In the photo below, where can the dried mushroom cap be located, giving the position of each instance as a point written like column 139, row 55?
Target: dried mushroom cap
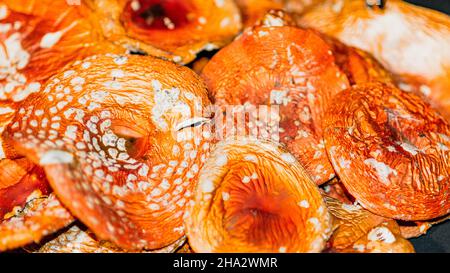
column 175, row 30
column 38, row 38
column 410, row 41
column 120, row 139
column 252, row 196
column 275, row 64
column 41, row 216
column 80, row 240
column 390, row 150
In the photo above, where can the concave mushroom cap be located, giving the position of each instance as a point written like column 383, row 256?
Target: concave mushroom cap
column 253, row 10
column 284, row 66
column 410, row 41
column 120, row 139
column 175, row 30
column 81, row 240
column 252, row 196
column 390, row 150
column 40, row 216
column 38, row 38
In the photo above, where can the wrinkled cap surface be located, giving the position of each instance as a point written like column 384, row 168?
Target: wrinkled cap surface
column 284, row 66
column 390, row 150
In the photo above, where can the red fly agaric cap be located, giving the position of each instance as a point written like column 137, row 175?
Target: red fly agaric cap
column 80, row 240
column 40, row 216
column 390, row 150
column 120, row 141
column 252, row 196
column 40, row 37
column 410, row 41
column 277, row 64
column 173, row 29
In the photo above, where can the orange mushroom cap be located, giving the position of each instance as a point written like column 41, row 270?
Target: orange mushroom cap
column 358, row 65
column 252, row 196
column 358, row 230
column 275, row 64
column 37, row 38
column 40, row 216
column 390, row 150
column 173, row 29
column 80, row 240
column 120, row 139
column 410, row 41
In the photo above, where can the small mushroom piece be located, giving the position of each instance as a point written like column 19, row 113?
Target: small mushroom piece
column 384, row 238
column 37, row 38
column 280, row 65
column 172, row 29
column 254, row 10
column 252, row 196
column 81, row 240
column 390, row 150
column 359, row 231
column 121, row 141
column 40, row 216
column 410, row 41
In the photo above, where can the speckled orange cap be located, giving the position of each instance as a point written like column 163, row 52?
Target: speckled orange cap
column 172, row 29
column 120, row 139
column 390, row 150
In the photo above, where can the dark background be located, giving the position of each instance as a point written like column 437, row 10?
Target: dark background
column 437, row 238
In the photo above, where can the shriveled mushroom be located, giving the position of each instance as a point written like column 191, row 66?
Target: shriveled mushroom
column 390, row 150
column 253, row 196
column 175, row 30
column 278, row 64
column 120, row 139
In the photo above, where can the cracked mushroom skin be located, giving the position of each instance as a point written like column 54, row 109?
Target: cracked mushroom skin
column 37, row 38
column 285, row 66
column 410, row 41
column 252, row 196
column 390, row 150
column 173, row 29
column 120, row 141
